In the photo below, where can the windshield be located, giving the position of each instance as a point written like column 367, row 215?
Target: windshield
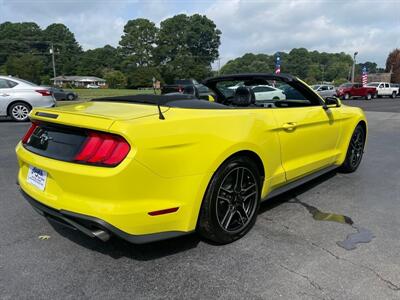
column 185, row 81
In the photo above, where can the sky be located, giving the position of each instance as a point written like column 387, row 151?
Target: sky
column 372, row 28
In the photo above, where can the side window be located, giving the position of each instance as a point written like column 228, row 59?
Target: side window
column 11, row 83
column 381, row 86
column 324, row 88
column 386, row 85
column 3, row 84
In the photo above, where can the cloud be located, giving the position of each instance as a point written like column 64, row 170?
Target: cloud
column 258, row 26
column 332, row 26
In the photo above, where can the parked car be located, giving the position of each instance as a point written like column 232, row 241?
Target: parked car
column 266, row 93
column 151, row 167
column 60, row 94
column 186, row 86
column 396, row 85
column 92, row 86
column 384, row 89
column 350, row 90
column 325, row 90
column 18, row 97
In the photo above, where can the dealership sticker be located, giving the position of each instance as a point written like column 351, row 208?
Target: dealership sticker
column 37, row 177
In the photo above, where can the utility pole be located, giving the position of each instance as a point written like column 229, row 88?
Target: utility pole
column 54, row 62
column 354, row 66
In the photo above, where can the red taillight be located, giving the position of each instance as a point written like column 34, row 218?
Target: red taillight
column 44, row 92
column 103, row 149
column 29, row 133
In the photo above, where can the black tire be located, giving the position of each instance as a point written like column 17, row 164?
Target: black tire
column 228, row 210
column 355, row 151
column 368, row 97
column 19, row 111
column 70, row 97
column 346, row 96
column 393, row 95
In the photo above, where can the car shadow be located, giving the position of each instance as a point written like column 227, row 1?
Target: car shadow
column 118, row 248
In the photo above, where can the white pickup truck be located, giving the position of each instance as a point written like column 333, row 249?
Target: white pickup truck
column 384, row 89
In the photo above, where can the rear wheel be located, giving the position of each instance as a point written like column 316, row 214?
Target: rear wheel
column 368, row 96
column 393, row 95
column 19, row 111
column 232, row 200
column 355, row 150
column 70, row 97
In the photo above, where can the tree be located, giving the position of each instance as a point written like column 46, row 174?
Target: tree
column 115, row 79
column 138, row 41
column 186, row 46
column 27, row 66
column 142, row 76
column 393, row 64
column 66, row 48
column 20, row 38
column 94, row 62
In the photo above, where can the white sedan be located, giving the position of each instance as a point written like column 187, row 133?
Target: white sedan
column 92, row 86
column 267, row 93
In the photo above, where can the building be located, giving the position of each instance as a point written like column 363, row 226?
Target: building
column 379, row 77
column 78, row 81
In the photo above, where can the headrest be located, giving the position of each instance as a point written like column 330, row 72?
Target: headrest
column 244, row 96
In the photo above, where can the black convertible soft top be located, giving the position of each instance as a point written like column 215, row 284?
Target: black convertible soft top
column 175, row 100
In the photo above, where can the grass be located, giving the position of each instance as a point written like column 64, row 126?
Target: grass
column 88, row 94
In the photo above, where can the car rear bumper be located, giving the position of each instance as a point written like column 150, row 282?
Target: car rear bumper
column 94, row 227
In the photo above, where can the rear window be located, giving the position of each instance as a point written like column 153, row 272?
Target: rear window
column 7, row 84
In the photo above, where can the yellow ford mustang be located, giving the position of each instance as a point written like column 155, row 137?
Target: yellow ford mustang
column 146, row 167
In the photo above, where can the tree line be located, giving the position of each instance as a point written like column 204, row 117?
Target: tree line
column 311, row 66
column 180, row 47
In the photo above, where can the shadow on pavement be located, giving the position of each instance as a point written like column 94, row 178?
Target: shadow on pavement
column 118, row 248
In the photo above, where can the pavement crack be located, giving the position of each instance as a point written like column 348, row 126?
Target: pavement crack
column 314, row 284
column 390, row 284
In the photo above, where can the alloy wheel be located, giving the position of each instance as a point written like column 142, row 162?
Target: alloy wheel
column 357, row 148
column 20, row 112
column 237, row 199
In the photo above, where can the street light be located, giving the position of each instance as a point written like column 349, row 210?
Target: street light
column 354, row 66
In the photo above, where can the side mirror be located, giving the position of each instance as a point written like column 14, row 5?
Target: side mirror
column 332, row 102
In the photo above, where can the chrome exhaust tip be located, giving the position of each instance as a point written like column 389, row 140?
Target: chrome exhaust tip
column 102, row 235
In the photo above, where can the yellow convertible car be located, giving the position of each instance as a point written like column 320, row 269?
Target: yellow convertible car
column 150, row 167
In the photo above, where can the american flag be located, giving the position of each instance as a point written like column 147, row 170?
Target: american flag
column 277, row 64
column 364, row 76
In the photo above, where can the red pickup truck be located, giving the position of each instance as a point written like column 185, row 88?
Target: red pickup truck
column 350, row 90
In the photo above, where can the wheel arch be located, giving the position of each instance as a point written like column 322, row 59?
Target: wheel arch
column 239, row 153
column 14, row 102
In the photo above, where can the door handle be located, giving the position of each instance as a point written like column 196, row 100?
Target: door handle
column 290, row 126
column 4, row 95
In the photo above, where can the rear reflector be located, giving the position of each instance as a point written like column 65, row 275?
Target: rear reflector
column 44, row 92
column 29, row 133
column 163, row 211
column 103, row 149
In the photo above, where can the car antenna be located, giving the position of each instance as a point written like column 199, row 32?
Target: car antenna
column 160, row 114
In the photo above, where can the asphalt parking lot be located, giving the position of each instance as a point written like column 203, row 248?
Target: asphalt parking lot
column 287, row 255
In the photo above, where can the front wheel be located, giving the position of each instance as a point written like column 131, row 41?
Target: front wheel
column 70, row 97
column 368, row 96
column 355, row 150
column 346, row 96
column 231, row 202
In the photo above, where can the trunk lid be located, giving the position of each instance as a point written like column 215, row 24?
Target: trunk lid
column 94, row 115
